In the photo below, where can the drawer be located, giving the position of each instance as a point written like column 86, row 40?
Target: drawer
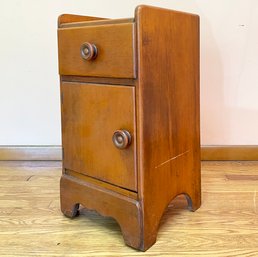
column 115, row 50
column 90, row 116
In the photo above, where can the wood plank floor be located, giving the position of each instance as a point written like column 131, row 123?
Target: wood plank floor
column 31, row 223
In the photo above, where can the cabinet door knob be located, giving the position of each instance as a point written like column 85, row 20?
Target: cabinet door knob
column 121, row 139
column 89, row 51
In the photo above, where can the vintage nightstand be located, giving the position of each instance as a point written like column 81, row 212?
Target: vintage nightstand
column 130, row 117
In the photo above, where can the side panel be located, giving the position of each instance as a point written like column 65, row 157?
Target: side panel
column 167, row 111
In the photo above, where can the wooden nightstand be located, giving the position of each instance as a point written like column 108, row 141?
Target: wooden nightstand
column 130, row 117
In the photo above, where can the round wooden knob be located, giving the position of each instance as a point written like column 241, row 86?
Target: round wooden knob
column 122, row 139
column 89, row 51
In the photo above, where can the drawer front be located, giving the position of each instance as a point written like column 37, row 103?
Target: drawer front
column 115, row 50
column 90, row 116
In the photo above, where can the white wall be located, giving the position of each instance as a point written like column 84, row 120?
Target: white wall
column 29, row 95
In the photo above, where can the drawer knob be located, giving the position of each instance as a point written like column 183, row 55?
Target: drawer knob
column 121, row 139
column 89, row 51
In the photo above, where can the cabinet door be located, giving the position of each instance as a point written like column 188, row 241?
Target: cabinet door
column 91, row 114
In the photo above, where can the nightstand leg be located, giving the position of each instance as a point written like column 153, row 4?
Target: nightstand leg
column 194, row 202
column 193, row 192
column 126, row 211
column 69, row 209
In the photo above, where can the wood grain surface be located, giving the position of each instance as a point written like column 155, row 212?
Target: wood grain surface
column 91, row 113
column 160, row 48
column 168, row 112
column 64, row 19
column 96, row 22
column 31, row 223
column 115, row 51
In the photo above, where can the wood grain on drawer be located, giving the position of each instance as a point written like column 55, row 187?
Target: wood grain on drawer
column 115, row 44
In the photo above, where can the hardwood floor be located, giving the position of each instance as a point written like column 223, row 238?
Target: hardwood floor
column 31, row 223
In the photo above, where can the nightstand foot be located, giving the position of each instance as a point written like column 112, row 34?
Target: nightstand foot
column 69, row 209
column 126, row 211
column 194, row 201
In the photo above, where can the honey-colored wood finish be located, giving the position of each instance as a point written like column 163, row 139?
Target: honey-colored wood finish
column 31, row 223
column 168, row 99
column 160, row 110
column 106, row 202
column 115, row 46
column 95, row 23
column 99, row 183
column 66, row 19
column 91, row 114
column 112, row 81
